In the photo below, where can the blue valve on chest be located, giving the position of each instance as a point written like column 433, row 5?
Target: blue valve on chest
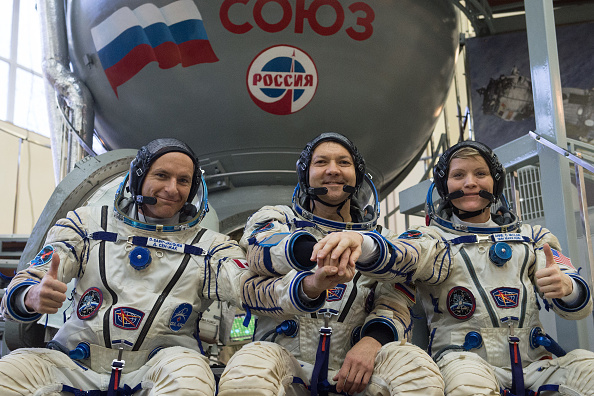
column 140, row 258
column 500, row 253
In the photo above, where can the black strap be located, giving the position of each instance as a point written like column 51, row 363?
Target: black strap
column 346, row 308
column 114, row 296
column 164, row 294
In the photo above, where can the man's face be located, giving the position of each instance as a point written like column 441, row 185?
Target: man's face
column 470, row 175
column 332, row 166
column 169, row 179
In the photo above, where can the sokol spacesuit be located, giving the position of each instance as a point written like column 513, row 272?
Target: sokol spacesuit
column 293, row 333
column 143, row 280
column 478, row 280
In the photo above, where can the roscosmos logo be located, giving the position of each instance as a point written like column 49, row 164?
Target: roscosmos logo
column 282, row 79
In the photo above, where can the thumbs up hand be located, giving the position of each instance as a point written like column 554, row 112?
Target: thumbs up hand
column 551, row 281
column 48, row 295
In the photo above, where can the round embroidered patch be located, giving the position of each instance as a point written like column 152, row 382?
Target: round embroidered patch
column 461, row 303
column 89, row 303
column 44, row 256
column 180, row 316
column 410, row 234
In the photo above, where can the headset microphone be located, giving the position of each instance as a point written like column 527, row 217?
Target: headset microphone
column 317, row 190
column 454, row 195
column 141, row 199
column 487, row 195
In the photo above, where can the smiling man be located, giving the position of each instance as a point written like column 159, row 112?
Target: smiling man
column 169, row 180
column 145, row 271
column 324, row 326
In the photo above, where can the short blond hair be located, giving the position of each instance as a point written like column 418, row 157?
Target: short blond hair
column 465, row 152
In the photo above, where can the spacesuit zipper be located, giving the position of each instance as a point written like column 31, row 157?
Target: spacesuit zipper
column 471, row 271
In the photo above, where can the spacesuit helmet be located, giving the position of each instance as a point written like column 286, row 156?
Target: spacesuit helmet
column 364, row 203
column 501, row 213
column 126, row 206
column 440, row 171
column 148, row 154
column 304, row 162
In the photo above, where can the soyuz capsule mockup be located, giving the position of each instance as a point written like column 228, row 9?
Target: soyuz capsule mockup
column 248, row 82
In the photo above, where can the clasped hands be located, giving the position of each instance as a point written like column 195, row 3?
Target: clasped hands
column 335, row 255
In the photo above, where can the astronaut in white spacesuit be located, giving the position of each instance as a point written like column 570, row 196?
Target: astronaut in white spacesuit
column 478, row 275
column 323, row 326
column 145, row 272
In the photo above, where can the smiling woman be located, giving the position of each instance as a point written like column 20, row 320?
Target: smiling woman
column 471, row 175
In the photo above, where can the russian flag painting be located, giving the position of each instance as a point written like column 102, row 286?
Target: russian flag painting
column 128, row 40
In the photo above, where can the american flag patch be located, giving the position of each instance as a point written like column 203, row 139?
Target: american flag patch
column 561, row 259
column 241, row 263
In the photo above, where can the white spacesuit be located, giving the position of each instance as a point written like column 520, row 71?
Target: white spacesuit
column 141, row 288
column 291, row 351
column 477, row 285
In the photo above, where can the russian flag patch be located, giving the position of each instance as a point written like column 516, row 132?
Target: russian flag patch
column 241, row 263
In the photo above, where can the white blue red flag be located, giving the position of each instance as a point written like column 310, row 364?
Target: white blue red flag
column 128, row 40
column 561, row 259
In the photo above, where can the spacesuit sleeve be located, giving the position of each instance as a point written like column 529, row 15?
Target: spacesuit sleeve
column 68, row 239
column 270, row 244
column 277, row 296
column 390, row 312
column 581, row 308
column 414, row 255
column 225, row 267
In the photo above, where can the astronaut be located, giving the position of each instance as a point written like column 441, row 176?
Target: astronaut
column 145, row 272
column 478, row 275
column 323, row 325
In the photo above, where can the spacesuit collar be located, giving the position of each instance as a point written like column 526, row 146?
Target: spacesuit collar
column 153, row 220
column 443, row 217
column 490, row 223
column 331, row 225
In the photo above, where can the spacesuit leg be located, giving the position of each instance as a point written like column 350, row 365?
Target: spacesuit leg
column 466, row 373
column 574, row 372
column 404, row 369
column 178, row 371
column 38, row 371
column 261, row 369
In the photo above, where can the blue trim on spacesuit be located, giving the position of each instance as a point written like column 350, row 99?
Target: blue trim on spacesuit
column 290, row 255
column 429, row 207
column 384, row 321
column 383, row 252
column 294, row 294
column 12, row 312
column 559, row 303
